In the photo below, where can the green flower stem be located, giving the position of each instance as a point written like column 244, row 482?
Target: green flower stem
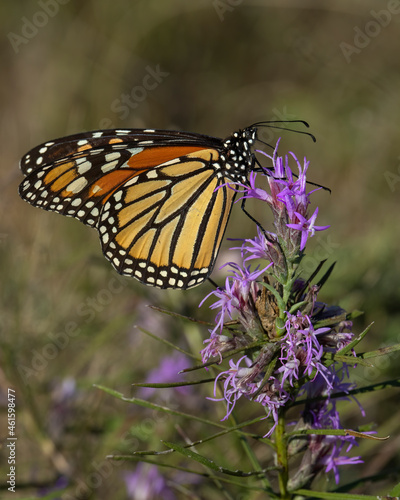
column 286, row 280
column 287, row 288
column 282, row 457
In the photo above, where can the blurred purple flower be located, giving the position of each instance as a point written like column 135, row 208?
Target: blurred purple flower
column 167, row 371
column 64, row 397
column 146, row 483
column 60, row 484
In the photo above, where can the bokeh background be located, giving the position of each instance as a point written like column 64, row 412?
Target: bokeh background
column 67, row 322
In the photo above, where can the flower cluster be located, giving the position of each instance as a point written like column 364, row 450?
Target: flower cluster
column 275, row 318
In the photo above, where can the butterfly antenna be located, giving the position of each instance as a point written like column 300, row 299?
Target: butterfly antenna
column 265, row 143
column 271, row 123
column 268, row 124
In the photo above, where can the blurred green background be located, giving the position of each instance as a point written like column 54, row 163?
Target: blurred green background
column 67, row 322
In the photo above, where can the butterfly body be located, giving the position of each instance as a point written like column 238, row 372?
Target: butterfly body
column 160, row 200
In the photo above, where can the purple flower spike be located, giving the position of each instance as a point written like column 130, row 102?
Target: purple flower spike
column 285, row 354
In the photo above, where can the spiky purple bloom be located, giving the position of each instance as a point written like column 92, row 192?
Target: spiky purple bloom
column 259, row 247
column 246, row 381
column 301, row 351
column 307, row 227
column 236, row 298
column 234, row 386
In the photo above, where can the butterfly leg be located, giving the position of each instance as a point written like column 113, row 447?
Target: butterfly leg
column 258, row 224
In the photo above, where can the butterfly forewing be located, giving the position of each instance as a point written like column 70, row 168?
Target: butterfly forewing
column 58, row 149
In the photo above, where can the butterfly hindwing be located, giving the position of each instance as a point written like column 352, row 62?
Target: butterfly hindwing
column 165, row 227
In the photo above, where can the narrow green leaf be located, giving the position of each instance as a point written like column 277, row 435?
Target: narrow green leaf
column 350, row 360
column 325, row 277
column 167, row 343
column 209, row 463
column 355, row 341
column 373, row 387
column 311, row 277
column 297, row 306
column 172, row 384
column 238, row 427
column 275, row 293
column 141, row 458
column 181, row 316
column 380, row 352
column 334, row 496
column 354, row 314
column 335, row 432
column 185, row 469
column 331, row 321
column 234, row 428
column 153, row 406
column 353, row 392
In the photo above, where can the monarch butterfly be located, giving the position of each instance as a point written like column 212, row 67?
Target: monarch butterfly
column 160, row 200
